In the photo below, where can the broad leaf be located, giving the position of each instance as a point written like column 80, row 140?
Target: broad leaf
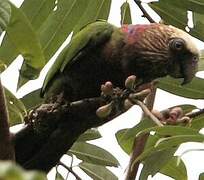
column 175, row 170
column 105, row 10
column 153, row 163
column 198, row 27
column 5, row 13
column 23, row 37
column 125, row 137
column 187, row 108
column 192, row 90
column 167, row 10
column 169, row 142
column 32, row 99
column 90, row 134
column 125, row 14
column 37, row 11
column 16, row 109
column 97, row 172
column 59, row 24
column 192, row 5
column 201, row 61
column 98, row 9
column 198, row 122
column 93, row 154
column 169, row 130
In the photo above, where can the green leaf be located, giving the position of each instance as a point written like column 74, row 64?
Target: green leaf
column 97, row 9
column 198, row 122
column 186, row 107
column 22, row 35
column 27, row 73
column 192, row 90
column 10, row 171
column 16, row 109
column 125, row 14
column 201, row 61
column 90, row 134
column 105, row 10
column 169, row 130
column 5, row 13
column 2, row 66
column 153, row 163
column 192, row 5
column 32, row 99
column 198, row 22
column 59, row 25
column 97, row 172
column 177, row 140
column 93, row 154
column 167, row 9
column 201, row 176
column 151, row 141
column 195, row 5
column 175, row 170
column 169, row 142
column 37, row 11
column 125, row 137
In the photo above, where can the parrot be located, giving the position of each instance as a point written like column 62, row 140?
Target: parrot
column 102, row 52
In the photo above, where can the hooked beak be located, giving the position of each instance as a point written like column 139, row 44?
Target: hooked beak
column 189, row 69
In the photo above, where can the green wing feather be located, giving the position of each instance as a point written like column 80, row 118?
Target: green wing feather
column 92, row 34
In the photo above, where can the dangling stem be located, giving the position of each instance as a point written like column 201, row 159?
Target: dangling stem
column 139, row 142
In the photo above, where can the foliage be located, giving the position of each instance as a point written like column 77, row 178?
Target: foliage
column 10, row 171
column 38, row 28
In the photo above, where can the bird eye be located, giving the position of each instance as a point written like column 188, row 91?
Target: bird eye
column 195, row 58
column 177, row 44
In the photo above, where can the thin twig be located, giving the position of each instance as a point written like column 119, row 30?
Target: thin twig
column 70, row 170
column 71, row 164
column 148, row 113
column 145, row 14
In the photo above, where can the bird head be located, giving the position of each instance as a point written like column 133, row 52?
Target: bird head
column 184, row 55
column 161, row 50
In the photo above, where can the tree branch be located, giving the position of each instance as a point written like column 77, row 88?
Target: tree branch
column 52, row 129
column 145, row 14
column 6, row 146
